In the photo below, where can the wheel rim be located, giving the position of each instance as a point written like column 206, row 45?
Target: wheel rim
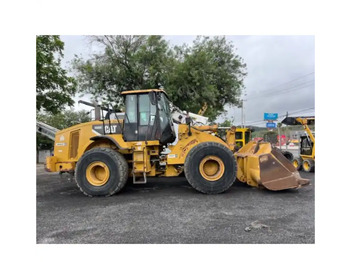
column 306, row 166
column 97, row 173
column 295, row 163
column 211, row 168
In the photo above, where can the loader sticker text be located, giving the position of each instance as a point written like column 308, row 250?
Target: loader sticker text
column 186, row 147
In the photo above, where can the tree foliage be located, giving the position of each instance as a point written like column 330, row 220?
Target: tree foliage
column 207, row 71
column 226, row 123
column 128, row 62
column 54, row 87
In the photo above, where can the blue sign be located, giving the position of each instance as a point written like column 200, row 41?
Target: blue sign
column 270, row 116
column 271, row 125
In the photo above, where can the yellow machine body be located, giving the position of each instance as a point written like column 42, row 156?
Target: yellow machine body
column 304, row 122
column 75, row 148
column 73, row 142
column 186, row 142
column 275, row 174
column 306, row 160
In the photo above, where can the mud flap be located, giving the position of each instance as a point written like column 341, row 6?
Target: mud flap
column 260, row 165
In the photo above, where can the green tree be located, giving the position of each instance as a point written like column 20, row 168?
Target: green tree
column 128, row 62
column 207, row 71
column 64, row 119
column 54, row 88
column 226, row 123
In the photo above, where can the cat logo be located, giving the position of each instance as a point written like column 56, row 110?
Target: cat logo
column 108, row 129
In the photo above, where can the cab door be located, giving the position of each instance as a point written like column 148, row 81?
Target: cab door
column 140, row 118
column 130, row 130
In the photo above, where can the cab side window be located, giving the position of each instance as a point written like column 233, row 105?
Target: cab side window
column 147, row 110
column 131, row 108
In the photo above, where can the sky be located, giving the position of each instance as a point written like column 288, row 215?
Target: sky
column 280, row 75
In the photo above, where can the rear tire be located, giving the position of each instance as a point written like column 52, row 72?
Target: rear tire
column 309, row 165
column 101, row 172
column 297, row 163
column 210, row 168
column 288, row 155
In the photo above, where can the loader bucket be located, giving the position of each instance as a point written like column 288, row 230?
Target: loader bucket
column 260, row 165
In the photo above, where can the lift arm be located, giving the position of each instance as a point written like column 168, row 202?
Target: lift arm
column 304, row 122
column 203, row 109
column 46, row 130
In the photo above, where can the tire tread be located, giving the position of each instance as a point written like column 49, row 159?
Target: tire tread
column 189, row 157
column 121, row 163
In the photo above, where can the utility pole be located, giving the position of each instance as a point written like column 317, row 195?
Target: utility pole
column 242, row 113
column 279, row 136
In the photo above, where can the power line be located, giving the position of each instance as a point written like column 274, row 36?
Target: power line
column 293, row 80
column 284, row 91
column 273, row 89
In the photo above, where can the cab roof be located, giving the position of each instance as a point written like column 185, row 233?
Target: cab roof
column 142, row 91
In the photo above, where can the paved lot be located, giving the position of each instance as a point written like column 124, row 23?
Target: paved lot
column 168, row 210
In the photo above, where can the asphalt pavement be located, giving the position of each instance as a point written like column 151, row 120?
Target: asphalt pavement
column 169, row 210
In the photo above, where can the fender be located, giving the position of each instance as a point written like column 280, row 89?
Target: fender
column 96, row 138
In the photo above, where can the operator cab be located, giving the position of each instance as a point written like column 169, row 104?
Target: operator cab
column 243, row 136
column 148, row 116
column 306, row 145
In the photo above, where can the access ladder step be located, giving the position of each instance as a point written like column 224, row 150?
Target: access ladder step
column 139, row 179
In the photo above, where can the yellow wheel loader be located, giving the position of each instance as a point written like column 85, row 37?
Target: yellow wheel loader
column 150, row 139
column 306, row 159
column 243, row 136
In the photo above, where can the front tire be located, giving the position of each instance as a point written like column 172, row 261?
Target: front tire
column 210, row 168
column 309, row 165
column 101, row 172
